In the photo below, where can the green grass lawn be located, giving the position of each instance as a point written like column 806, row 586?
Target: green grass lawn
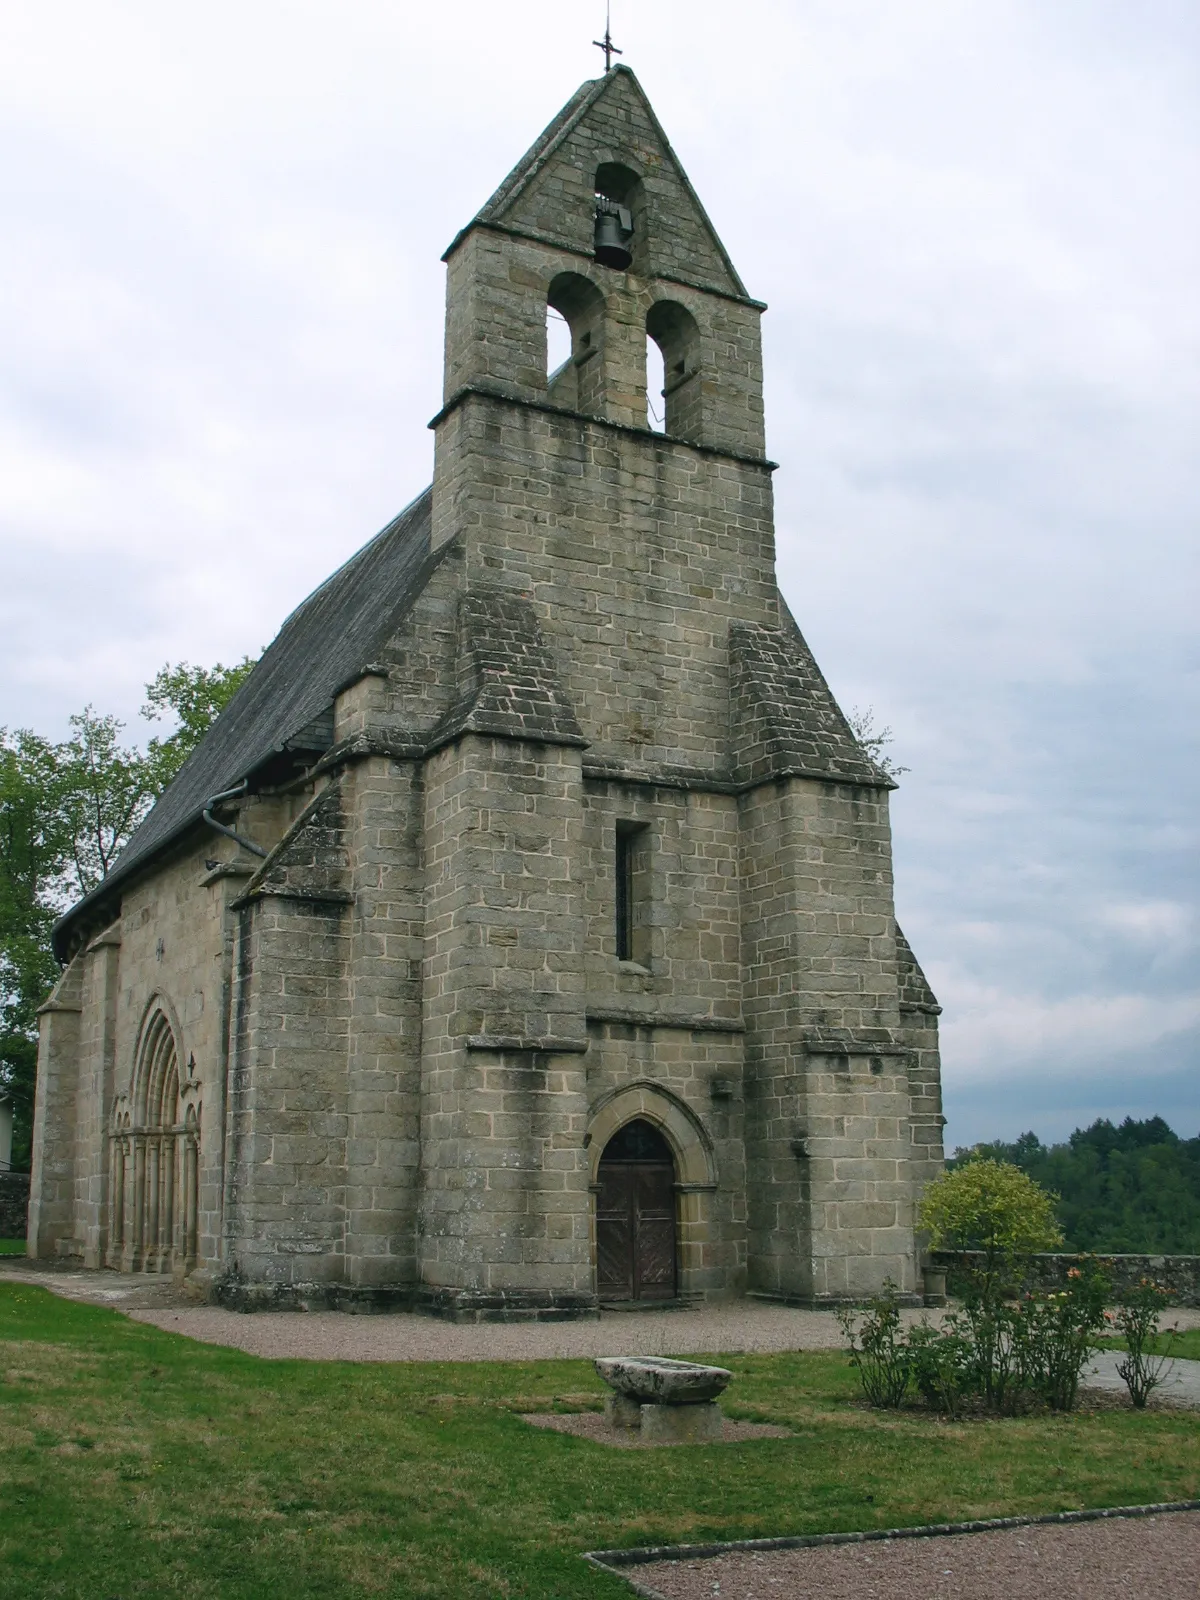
column 134, row 1462
column 12, row 1247
column 1185, row 1343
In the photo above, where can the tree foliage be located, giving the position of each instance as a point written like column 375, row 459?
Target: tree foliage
column 1133, row 1187
column 66, row 812
column 194, row 696
column 874, row 740
column 990, row 1206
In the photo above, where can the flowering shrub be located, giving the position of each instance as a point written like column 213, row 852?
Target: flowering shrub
column 1137, row 1319
column 942, row 1365
column 1058, row 1331
column 877, row 1347
column 1008, row 1353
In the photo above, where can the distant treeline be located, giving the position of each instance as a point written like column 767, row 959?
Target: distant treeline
column 1132, row 1189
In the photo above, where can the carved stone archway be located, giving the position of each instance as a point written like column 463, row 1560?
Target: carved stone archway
column 154, row 1171
column 695, row 1165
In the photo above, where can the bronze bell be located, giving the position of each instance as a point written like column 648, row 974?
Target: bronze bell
column 614, row 229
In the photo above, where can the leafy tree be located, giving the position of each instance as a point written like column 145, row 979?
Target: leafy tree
column 33, row 849
column 1133, row 1187
column 195, row 696
column 66, row 812
column 993, row 1207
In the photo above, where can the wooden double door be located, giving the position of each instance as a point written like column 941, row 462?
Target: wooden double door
column 635, row 1217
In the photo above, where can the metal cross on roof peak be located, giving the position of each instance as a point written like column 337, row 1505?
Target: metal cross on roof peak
column 606, row 44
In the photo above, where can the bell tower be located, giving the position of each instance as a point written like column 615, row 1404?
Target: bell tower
column 632, row 686
column 600, row 222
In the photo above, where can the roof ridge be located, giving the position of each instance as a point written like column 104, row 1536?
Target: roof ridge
column 542, row 148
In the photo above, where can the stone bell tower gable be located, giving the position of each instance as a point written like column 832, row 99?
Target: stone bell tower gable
column 549, row 193
column 635, row 548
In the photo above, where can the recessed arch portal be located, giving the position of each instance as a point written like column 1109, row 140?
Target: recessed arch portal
column 154, row 1170
column 653, row 1173
column 636, row 1231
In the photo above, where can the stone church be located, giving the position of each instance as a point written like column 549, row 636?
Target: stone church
column 521, row 937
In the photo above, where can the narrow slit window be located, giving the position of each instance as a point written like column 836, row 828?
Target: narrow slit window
column 630, row 876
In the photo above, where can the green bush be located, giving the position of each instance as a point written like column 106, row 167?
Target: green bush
column 878, row 1348
column 1136, row 1319
column 1010, row 1347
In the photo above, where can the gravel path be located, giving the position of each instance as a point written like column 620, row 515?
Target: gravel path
column 333, row 1336
column 1153, row 1558
column 748, row 1326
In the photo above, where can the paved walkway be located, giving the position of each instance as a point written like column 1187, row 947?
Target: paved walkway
column 1181, row 1380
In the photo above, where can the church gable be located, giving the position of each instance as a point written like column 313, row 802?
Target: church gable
column 608, row 140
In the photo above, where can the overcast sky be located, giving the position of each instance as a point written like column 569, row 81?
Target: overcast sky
column 976, row 227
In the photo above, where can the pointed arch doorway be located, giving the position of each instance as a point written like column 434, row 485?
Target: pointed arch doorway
column 636, row 1244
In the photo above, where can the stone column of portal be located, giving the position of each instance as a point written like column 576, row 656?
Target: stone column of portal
column 505, row 1204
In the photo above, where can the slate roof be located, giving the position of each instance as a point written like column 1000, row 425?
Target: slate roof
column 286, row 699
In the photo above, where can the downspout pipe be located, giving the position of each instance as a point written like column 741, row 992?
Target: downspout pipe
column 230, row 794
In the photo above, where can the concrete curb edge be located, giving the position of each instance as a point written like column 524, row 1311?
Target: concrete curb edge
column 612, row 1561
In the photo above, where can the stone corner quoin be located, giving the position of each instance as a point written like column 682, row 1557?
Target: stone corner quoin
column 570, row 973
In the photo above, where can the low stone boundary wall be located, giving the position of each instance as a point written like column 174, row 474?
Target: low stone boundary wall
column 14, row 1204
column 1180, row 1273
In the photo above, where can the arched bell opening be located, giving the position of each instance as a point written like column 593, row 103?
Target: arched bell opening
column 577, row 382
column 620, row 218
column 673, row 332
column 637, row 1234
column 154, row 1166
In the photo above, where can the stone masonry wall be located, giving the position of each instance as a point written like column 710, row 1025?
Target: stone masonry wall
column 827, row 1114
column 288, row 1094
column 505, row 1203
column 52, row 1178
column 175, row 953
column 636, row 554
column 14, row 1204
column 94, row 1091
column 385, row 804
